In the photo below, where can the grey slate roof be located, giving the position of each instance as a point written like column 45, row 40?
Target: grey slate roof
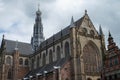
column 55, row 37
column 60, row 34
column 23, row 48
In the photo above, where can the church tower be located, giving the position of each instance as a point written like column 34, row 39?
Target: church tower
column 38, row 36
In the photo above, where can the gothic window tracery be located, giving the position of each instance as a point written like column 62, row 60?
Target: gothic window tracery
column 91, row 58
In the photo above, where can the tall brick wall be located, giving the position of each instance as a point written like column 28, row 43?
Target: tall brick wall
column 66, row 71
column 22, row 71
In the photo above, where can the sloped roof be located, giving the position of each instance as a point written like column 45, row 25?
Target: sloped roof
column 48, row 67
column 60, row 34
column 23, row 48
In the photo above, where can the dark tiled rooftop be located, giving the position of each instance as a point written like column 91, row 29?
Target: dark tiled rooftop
column 23, row 48
column 61, row 33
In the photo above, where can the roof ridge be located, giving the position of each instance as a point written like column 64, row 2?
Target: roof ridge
column 18, row 41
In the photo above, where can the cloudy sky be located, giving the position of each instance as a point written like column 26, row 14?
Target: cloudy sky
column 17, row 17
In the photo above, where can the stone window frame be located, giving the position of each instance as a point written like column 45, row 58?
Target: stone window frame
column 8, row 60
column 67, row 49
column 26, row 62
column 21, row 61
column 92, row 67
column 44, row 59
column 50, row 56
column 58, row 52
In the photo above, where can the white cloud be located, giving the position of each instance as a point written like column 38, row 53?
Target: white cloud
column 17, row 16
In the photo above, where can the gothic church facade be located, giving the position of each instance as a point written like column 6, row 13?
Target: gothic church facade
column 74, row 53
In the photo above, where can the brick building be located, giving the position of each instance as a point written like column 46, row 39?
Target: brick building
column 112, row 61
column 74, row 53
column 14, row 61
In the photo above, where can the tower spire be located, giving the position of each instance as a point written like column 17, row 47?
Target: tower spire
column 110, row 39
column 38, row 36
column 100, row 30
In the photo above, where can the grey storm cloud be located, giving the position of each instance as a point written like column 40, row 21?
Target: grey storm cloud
column 17, row 17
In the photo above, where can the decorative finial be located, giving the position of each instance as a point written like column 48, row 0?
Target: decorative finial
column 72, row 22
column 85, row 11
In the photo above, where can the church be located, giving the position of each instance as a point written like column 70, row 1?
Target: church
column 74, row 53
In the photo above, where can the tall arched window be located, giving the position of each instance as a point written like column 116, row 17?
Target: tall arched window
column 50, row 56
column 9, row 60
column 91, row 58
column 67, row 49
column 38, row 61
column 58, row 53
column 26, row 62
column 21, row 61
column 44, row 59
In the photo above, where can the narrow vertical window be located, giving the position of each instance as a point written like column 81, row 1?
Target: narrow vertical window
column 9, row 75
column 58, row 53
column 67, row 50
column 38, row 61
column 32, row 64
column 21, row 61
column 44, row 59
column 26, row 62
column 50, row 56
